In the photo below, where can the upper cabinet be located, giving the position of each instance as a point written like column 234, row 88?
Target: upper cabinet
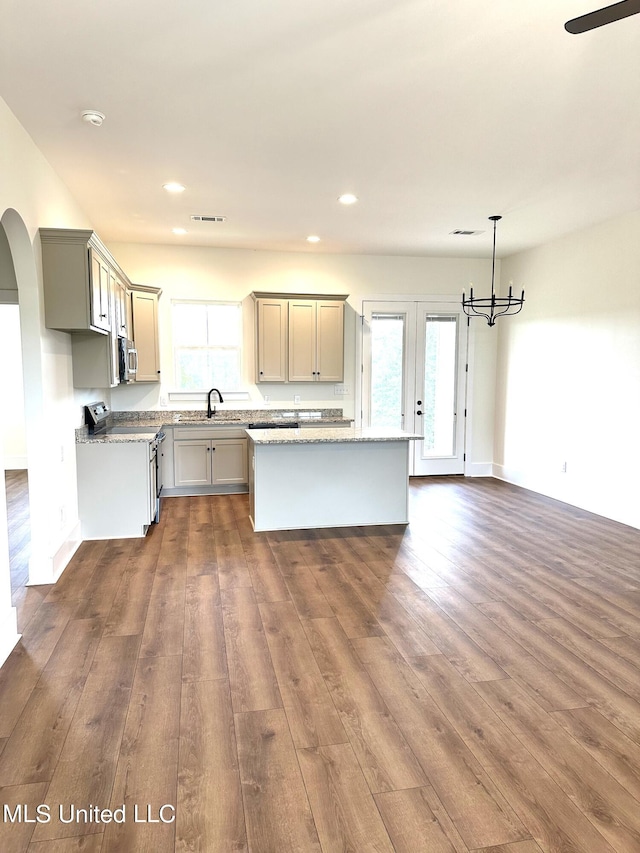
column 86, row 292
column 77, row 271
column 121, row 323
column 271, row 339
column 299, row 337
column 100, row 303
column 144, row 322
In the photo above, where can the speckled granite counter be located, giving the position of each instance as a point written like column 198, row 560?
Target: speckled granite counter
column 114, row 438
column 326, row 435
column 228, row 417
column 143, row 425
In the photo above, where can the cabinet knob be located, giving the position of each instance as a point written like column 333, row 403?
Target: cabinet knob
column 418, row 412
column 261, row 372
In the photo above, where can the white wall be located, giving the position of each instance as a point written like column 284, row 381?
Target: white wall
column 228, row 274
column 15, row 434
column 33, row 196
column 568, row 379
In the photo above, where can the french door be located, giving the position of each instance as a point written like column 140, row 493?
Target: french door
column 414, row 378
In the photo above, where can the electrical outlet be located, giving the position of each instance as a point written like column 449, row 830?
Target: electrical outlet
column 296, row 398
column 341, row 390
column 564, row 467
column 267, row 398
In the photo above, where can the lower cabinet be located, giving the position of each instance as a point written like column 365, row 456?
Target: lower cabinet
column 209, row 462
column 116, row 489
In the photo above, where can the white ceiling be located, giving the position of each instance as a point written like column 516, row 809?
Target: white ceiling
column 437, row 114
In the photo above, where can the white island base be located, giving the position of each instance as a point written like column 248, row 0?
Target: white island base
column 296, row 481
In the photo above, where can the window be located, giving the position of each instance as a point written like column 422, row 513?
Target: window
column 387, row 369
column 207, row 345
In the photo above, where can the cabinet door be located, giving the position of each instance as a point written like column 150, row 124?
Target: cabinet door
column 302, row 340
column 100, row 307
column 192, row 462
column 229, row 461
column 94, row 360
column 144, row 313
column 120, row 301
column 272, row 340
column 330, row 341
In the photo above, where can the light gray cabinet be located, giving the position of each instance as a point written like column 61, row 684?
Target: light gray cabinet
column 316, row 340
column 120, row 296
column 203, row 462
column 299, row 337
column 271, row 339
column 144, row 330
column 209, row 459
column 77, row 271
column 85, row 293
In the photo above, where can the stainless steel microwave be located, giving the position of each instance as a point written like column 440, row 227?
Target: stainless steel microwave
column 127, row 360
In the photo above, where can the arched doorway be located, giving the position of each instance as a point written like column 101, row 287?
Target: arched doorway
column 14, row 243
column 13, row 422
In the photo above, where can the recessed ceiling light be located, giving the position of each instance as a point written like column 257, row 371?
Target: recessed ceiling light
column 179, row 230
column 348, row 198
column 313, row 238
column 173, row 187
column 93, row 117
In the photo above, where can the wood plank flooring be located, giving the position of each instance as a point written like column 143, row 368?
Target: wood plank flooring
column 468, row 683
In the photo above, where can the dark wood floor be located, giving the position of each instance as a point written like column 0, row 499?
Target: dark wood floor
column 469, row 683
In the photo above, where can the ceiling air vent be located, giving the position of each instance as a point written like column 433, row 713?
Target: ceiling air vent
column 200, row 218
column 460, row 232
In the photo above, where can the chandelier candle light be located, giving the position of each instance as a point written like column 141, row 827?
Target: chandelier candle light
column 492, row 307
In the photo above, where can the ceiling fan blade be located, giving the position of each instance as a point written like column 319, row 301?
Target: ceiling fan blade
column 603, row 16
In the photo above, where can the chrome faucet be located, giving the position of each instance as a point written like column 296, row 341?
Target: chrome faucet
column 211, row 411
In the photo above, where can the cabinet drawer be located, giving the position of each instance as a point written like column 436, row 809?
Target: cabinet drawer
column 196, row 432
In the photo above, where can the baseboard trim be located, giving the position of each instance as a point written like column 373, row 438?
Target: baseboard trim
column 478, row 469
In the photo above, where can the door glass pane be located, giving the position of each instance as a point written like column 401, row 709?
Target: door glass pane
column 387, row 362
column 439, row 402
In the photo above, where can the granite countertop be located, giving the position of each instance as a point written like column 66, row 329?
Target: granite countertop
column 326, row 435
column 149, row 422
column 227, row 417
column 115, row 438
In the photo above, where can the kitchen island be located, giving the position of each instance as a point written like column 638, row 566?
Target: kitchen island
column 328, row 477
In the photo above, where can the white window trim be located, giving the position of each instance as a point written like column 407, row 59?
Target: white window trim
column 177, row 394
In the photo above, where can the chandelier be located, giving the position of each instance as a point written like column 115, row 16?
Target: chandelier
column 492, row 307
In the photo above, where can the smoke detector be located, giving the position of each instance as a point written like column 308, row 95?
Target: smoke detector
column 93, row 117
